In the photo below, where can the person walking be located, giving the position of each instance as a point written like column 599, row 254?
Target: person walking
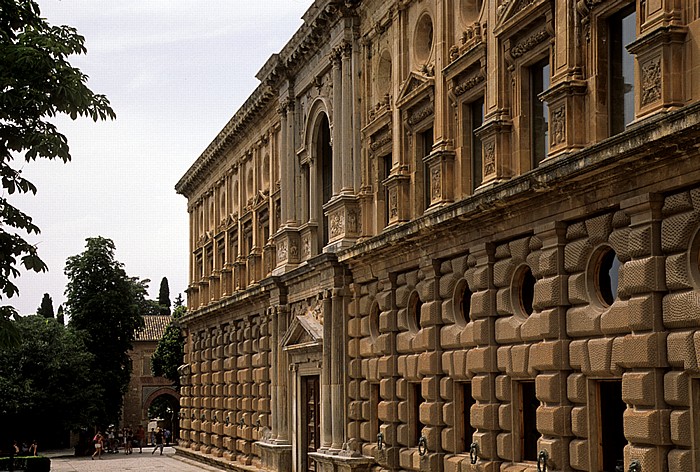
column 99, row 443
column 128, row 440
column 140, row 437
column 158, row 441
column 33, row 447
column 14, row 451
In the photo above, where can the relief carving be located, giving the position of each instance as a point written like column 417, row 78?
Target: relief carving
column 336, row 224
column 380, row 139
column 489, row 158
column 306, row 247
column 282, row 251
column 558, row 126
column 435, row 184
column 393, row 203
column 293, row 251
column 651, row 81
column 353, row 224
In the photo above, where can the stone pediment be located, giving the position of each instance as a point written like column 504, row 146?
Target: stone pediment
column 305, row 332
column 414, row 87
column 515, row 12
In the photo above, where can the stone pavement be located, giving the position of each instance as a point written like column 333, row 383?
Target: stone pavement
column 145, row 462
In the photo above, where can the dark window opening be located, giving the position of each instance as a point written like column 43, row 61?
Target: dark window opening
column 608, row 277
column 527, row 291
column 386, row 170
column 466, row 303
column 476, row 109
column 374, row 399
column 426, row 147
column 467, row 401
column 622, row 29
column 528, row 418
column 611, row 427
column 539, row 82
column 325, row 154
column 415, row 399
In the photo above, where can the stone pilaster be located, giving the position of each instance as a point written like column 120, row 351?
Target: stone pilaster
column 481, row 360
column 647, row 417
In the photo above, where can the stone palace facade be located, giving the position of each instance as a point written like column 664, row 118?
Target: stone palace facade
column 453, row 235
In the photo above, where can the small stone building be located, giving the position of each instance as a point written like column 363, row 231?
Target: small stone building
column 144, row 388
column 453, row 235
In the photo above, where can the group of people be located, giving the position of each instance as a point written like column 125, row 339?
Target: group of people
column 22, row 449
column 128, row 439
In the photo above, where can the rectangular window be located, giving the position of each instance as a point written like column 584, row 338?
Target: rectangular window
column 539, row 112
column 611, row 434
column 622, row 28
column 464, row 402
column 415, row 398
column 528, row 421
column 386, row 170
column 476, row 119
column 374, row 400
column 146, row 365
column 426, row 143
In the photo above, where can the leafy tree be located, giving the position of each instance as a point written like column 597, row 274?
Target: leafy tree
column 170, row 351
column 46, row 307
column 45, row 382
column 179, row 301
column 164, row 296
column 36, row 83
column 105, row 303
column 59, row 315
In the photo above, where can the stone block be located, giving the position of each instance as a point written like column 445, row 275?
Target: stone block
column 615, row 320
column 504, row 387
column 650, row 458
column 578, row 454
column 581, row 322
column 551, row 387
column 425, row 339
column 505, row 417
column 355, row 328
column 481, row 359
column 676, row 388
column 477, row 332
column 483, row 388
column 485, row 416
column 508, row 329
column 680, row 459
column 520, row 356
column 504, row 444
column 647, row 426
column 680, row 309
column 554, row 421
column 430, row 388
column 549, row 355
column 579, row 421
column 600, row 355
column 504, row 358
column 644, row 275
column 646, row 350
column 638, row 388
column 681, row 352
column 482, row 304
column 449, row 336
column 681, row 425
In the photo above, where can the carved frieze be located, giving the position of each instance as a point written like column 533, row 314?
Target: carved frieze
column 528, row 43
column 380, row 139
column 421, row 112
column 468, row 83
column 282, row 251
column 337, row 224
column 435, row 178
column 393, row 203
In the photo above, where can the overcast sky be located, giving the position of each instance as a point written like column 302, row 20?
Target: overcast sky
column 175, row 72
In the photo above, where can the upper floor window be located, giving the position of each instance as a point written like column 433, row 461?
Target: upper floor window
column 539, row 113
column 622, row 27
column 474, row 118
column 426, row 146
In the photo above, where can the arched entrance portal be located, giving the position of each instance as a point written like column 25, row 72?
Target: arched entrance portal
column 163, row 406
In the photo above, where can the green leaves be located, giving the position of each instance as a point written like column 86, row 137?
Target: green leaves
column 37, row 82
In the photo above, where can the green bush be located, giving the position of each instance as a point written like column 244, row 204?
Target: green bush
column 28, row 464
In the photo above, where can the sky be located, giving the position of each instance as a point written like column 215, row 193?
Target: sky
column 175, row 72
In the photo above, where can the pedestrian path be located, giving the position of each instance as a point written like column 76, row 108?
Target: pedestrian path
column 144, row 462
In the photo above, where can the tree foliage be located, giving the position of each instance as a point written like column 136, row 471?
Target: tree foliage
column 170, row 351
column 59, row 315
column 105, row 304
column 46, row 307
column 45, row 382
column 36, row 83
column 164, row 296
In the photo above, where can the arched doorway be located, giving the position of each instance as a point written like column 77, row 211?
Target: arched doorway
column 163, row 407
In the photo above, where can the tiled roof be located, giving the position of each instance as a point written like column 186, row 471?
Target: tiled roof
column 153, row 327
